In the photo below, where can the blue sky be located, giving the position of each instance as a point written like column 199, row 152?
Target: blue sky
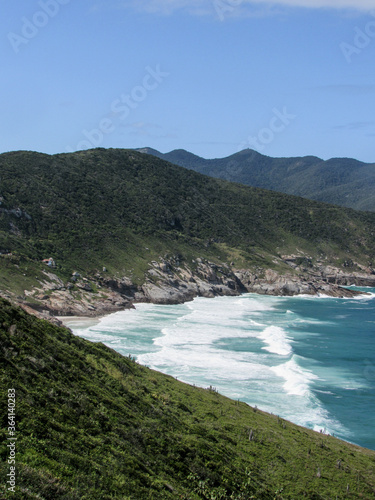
column 287, row 78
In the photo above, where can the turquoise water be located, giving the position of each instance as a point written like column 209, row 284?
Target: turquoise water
column 310, row 360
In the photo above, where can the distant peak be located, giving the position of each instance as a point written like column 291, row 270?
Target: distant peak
column 182, row 152
column 148, row 151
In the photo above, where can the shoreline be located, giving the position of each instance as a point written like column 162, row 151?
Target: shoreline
column 168, row 282
column 69, row 321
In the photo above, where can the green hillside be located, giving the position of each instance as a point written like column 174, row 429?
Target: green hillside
column 122, row 209
column 342, row 181
column 92, row 424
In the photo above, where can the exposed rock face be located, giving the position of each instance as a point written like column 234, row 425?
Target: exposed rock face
column 170, row 282
column 353, row 279
column 89, row 299
column 208, row 280
column 169, row 293
column 289, row 285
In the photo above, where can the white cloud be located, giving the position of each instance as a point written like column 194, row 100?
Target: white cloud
column 166, row 7
column 204, row 7
column 349, row 89
column 355, row 126
column 333, row 4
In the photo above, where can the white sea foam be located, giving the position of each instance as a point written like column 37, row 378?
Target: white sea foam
column 208, row 365
column 365, row 296
column 297, row 380
column 192, row 346
column 277, row 340
column 253, row 302
column 304, row 408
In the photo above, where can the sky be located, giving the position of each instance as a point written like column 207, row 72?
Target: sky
column 286, row 78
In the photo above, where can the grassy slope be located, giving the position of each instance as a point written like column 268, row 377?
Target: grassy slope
column 92, row 424
column 342, row 181
column 121, row 209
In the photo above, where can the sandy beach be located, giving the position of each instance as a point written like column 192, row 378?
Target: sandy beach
column 78, row 321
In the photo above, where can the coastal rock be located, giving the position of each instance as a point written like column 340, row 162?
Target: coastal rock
column 176, row 284
column 352, row 279
column 171, row 281
column 169, row 294
column 289, row 285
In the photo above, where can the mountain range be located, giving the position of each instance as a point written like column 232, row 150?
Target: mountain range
column 105, row 203
column 341, row 181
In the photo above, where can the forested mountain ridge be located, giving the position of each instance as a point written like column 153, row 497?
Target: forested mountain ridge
column 342, row 181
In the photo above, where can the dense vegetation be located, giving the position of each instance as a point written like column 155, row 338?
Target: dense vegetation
column 92, row 424
column 120, row 209
column 342, row 181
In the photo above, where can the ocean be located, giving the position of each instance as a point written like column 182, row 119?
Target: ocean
column 310, row 360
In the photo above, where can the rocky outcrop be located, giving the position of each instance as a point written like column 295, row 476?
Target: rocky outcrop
column 83, row 298
column 271, row 283
column 339, row 277
column 65, row 304
column 167, row 284
column 172, row 281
